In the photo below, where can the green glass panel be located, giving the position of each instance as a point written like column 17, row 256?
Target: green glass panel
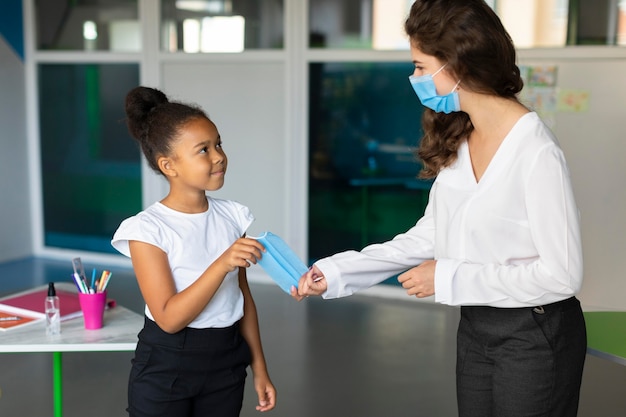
column 364, row 126
column 90, row 166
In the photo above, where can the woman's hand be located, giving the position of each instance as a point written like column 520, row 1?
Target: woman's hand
column 311, row 283
column 419, row 281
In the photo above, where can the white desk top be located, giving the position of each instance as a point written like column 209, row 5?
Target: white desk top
column 119, row 333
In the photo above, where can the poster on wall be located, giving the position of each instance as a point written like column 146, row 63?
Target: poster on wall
column 542, row 94
column 540, row 91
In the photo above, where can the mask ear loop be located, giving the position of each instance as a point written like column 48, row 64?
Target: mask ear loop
column 439, row 70
column 455, row 86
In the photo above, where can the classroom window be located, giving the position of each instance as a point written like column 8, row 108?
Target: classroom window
column 364, row 127
column 358, row 24
column 378, row 24
column 534, row 23
column 88, row 25
column 193, row 26
column 90, row 166
column 621, row 23
column 557, row 23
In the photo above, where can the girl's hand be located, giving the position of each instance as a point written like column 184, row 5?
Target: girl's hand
column 419, row 281
column 311, row 283
column 266, row 393
column 242, row 253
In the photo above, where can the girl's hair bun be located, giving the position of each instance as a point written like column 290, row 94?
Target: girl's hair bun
column 140, row 101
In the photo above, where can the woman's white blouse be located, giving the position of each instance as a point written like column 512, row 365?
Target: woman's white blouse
column 510, row 240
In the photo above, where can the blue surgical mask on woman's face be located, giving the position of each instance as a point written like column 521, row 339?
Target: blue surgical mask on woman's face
column 426, row 91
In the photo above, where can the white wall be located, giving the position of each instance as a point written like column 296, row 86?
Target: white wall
column 594, row 142
column 15, row 228
column 247, row 104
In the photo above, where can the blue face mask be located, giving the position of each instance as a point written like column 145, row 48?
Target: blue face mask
column 426, row 91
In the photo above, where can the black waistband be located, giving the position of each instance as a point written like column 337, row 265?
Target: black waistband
column 562, row 305
column 188, row 337
column 557, row 306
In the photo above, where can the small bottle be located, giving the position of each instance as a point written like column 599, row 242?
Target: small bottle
column 53, row 312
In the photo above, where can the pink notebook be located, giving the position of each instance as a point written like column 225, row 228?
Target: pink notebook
column 34, row 301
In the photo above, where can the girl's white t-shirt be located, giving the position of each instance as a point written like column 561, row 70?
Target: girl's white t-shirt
column 192, row 242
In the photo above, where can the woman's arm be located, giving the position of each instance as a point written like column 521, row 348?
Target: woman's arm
column 347, row 272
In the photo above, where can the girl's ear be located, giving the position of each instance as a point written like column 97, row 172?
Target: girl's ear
column 166, row 166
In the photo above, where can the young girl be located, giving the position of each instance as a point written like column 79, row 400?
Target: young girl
column 189, row 254
column 500, row 236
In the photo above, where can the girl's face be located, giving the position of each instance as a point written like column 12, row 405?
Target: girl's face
column 429, row 65
column 198, row 157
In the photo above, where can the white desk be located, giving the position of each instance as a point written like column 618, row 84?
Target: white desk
column 119, row 333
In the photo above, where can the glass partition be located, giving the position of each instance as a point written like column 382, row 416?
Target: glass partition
column 88, row 25
column 221, row 25
column 535, row 23
column 364, row 126
column 90, row 166
column 597, row 22
column 358, row 24
column 378, row 24
column 621, row 23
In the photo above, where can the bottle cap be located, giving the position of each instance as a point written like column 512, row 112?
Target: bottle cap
column 51, row 291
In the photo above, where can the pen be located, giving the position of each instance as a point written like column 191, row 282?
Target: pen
column 103, row 278
column 93, row 278
column 10, row 318
column 106, row 282
column 80, row 283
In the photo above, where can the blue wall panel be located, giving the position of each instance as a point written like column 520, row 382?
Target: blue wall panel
column 11, row 25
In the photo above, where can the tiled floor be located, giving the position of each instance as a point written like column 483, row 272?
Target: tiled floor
column 359, row 356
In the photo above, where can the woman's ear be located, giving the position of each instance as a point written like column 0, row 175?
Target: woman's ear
column 166, row 166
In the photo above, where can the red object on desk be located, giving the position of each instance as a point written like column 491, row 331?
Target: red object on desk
column 9, row 320
column 34, row 301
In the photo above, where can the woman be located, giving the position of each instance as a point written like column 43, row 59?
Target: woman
column 500, row 236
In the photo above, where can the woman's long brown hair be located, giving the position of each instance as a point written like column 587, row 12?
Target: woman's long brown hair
column 469, row 38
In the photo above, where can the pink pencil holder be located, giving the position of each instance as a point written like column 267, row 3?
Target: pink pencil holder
column 92, row 306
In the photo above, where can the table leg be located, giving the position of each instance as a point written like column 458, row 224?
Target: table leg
column 57, row 383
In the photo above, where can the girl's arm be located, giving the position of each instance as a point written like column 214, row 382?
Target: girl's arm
column 250, row 331
column 173, row 311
